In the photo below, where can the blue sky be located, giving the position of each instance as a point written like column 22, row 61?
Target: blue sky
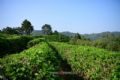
column 83, row 16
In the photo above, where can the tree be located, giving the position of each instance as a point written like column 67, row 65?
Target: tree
column 56, row 32
column 63, row 38
column 47, row 29
column 77, row 36
column 9, row 30
column 75, row 39
column 27, row 27
column 19, row 30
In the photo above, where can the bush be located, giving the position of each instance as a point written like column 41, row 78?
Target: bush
column 34, row 42
column 90, row 62
column 13, row 45
column 4, row 46
column 112, row 43
column 80, row 42
column 57, row 38
column 54, row 37
column 109, row 43
column 35, row 63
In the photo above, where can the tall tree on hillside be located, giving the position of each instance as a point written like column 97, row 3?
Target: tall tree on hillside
column 77, row 36
column 47, row 29
column 27, row 27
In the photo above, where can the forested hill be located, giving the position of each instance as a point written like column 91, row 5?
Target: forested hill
column 92, row 36
column 37, row 32
column 103, row 34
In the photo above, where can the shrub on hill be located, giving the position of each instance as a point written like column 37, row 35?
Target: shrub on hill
column 55, row 37
column 13, row 45
column 34, row 42
column 109, row 43
column 90, row 62
column 35, row 63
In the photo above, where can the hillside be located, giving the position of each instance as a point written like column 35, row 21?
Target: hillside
column 92, row 36
column 37, row 33
column 95, row 36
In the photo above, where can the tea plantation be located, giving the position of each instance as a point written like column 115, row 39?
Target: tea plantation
column 40, row 60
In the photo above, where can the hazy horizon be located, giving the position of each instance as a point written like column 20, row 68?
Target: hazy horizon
column 83, row 16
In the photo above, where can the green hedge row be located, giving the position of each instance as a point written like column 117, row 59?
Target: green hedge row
column 56, row 38
column 13, row 45
column 35, row 63
column 90, row 62
column 35, row 41
column 112, row 44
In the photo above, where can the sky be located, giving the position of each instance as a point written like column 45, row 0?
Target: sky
column 82, row 16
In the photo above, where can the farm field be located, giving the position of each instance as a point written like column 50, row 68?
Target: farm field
column 90, row 62
column 45, row 60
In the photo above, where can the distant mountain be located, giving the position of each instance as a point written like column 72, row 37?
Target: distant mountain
column 67, row 33
column 100, row 35
column 37, row 33
column 92, row 36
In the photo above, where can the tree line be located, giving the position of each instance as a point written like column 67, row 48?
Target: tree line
column 109, row 41
column 27, row 28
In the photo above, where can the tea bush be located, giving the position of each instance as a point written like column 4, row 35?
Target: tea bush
column 112, row 44
column 35, row 63
column 34, row 42
column 56, row 38
column 92, row 63
column 14, row 44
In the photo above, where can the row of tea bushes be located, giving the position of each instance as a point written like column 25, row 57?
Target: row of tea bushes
column 56, row 38
column 35, row 41
column 92, row 63
column 109, row 43
column 13, row 45
column 35, row 63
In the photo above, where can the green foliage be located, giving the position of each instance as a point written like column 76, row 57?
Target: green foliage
column 36, row 63
column 80, row 42
column 19, row 30
column 15, row 30
column 77, row 36
column 13, row 44
column 47, row 30
column 8, row 36
column 110, row 43
column 91, row 63
column 56, row 32
column 34, row 42
column 57, row 38
column 9, row 30
column 95, row 36
column 51, row 37
column 27, row 27
column 63, row 38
